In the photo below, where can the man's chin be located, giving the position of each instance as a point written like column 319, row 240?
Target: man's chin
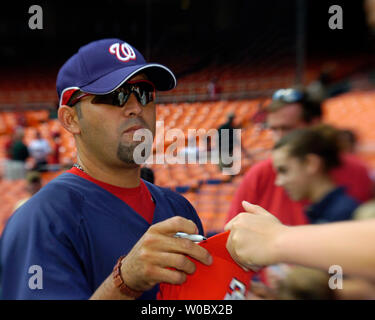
column 127, row 155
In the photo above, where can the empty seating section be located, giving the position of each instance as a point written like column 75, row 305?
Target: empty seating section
column 31, row 87
column 34, row 86
column 203, row 185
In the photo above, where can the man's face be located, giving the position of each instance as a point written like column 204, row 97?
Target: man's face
column 107, row 131
column 285, row 120
column 291, row 174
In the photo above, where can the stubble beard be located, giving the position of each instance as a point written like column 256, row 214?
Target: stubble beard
column 125, row 152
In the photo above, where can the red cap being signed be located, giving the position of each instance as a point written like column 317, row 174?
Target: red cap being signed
column 224, row 279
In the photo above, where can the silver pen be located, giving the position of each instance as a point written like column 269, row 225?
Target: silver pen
column 193, row 237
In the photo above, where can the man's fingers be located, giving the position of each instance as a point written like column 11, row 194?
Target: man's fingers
column 175, row 224
column 171, row 276
column 163, row 244
column 185, row 247
column 188, row 247
column 178, row 245
column 177, row 261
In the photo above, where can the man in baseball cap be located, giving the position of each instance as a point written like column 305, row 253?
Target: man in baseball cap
column 103, row 66
column 98, row 230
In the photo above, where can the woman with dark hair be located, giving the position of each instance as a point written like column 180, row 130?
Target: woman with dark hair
column 303, row 160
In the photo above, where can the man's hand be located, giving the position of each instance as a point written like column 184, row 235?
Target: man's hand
column 159, row 257
column 253, row 236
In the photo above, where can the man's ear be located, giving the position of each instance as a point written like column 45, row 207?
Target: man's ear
column 69, row 119
column 314, row 164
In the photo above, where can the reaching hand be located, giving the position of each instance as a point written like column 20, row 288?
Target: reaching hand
column 253, row 235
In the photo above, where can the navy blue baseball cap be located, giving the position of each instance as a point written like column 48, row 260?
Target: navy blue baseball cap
column 104, row 65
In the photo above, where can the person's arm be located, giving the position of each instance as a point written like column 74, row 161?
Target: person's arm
column 257, row 238
column 157, row 257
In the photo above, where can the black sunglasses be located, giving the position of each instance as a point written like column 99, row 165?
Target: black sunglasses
column 143, row 90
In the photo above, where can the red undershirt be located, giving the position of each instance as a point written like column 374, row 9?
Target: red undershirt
column 139, row 198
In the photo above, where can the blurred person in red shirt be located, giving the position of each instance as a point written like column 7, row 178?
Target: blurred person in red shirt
column 292, row 109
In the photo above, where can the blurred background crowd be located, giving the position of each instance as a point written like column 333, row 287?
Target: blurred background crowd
column 266, row 67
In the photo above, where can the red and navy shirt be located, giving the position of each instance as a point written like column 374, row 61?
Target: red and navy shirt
column 74, row 230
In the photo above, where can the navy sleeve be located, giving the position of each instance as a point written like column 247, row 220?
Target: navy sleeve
column 40, row 251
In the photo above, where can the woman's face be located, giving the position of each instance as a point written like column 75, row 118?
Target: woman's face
column 292, row 174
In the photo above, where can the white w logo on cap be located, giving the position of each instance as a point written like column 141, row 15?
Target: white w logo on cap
column 127, row 53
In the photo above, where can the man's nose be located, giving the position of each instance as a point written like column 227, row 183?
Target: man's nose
column 132, row 107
